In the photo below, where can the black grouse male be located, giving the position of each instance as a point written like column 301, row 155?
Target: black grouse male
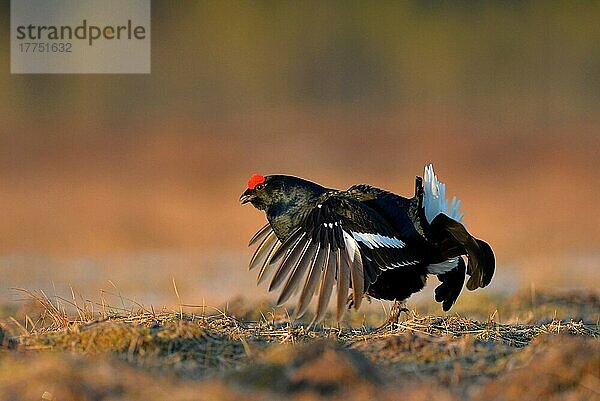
column 365, row 239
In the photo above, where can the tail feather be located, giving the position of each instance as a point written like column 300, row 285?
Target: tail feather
column 485, row 264
column 434, row 198
column 452, row 282
column 453, row 240
column 442, row 224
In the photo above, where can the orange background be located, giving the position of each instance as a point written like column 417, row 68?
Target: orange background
column 136, row 179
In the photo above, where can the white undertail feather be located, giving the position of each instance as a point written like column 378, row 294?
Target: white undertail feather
column 434, row 198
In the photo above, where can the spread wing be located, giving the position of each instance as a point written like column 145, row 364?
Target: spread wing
column 342, row 243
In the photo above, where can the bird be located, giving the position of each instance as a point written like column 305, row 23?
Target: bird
column 364, row 241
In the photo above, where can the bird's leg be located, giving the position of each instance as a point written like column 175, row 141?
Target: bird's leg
column 394, row 316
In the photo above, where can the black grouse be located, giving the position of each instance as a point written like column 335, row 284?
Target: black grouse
column 364, row 239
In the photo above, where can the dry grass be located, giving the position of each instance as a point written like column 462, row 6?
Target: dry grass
column 78, row 349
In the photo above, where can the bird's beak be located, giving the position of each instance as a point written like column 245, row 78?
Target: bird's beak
column 247, row 196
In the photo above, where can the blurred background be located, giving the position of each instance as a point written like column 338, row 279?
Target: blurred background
column 128, row 182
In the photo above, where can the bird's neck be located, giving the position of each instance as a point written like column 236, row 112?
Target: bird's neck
column 286, row 215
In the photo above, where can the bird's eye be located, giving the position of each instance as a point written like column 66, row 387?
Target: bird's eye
column 259, row 187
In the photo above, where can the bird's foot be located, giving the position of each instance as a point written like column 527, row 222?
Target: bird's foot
column 394, row 315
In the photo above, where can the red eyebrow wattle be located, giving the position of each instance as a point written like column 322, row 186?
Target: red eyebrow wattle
column 255, row 180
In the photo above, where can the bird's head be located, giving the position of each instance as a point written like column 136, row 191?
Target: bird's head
column 279, row 191
column 259, row 192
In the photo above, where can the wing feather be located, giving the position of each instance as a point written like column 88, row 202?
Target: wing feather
column 289, row 261
column 299, row 271
column 288, row 243
column 310, row 286
column 354, row 261
column 327, row 279
column 343, row 284
column 260, row 234
column 267, row 266
column 263, row 250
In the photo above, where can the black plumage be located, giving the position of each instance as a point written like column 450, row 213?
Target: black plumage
column 364, row 240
